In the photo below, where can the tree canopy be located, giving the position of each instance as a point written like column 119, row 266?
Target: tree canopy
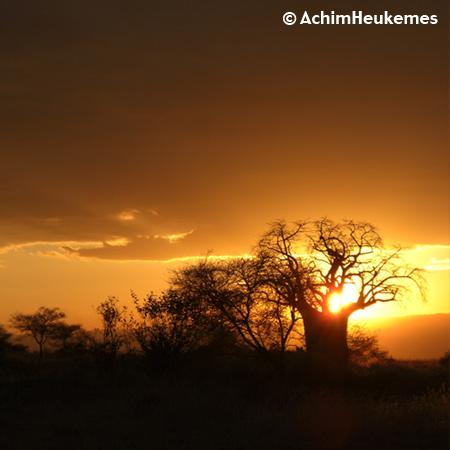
column 310, row 262
column 41, row 325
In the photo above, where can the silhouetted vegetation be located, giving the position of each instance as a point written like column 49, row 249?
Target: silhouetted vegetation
column 235, row 400
column 8, row 349
column 238, row 353
column 172, row 325
column 45, row 325
column 364, row 349
column 295, row 274
column 105, row 343
column 229, row 403
column 237, row 290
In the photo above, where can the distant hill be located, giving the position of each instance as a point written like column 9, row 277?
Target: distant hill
column 412, row 337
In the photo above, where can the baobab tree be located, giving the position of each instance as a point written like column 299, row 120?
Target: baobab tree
column 329, row 270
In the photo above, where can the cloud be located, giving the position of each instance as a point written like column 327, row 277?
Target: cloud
column 116, row 116
column 132, row 234
column 144, row 248
column 422, row 248
column 174, row 237
column 31, row 246
column 141, row 234
column 438, row 264
column 129, row 214
column 52, row 254
column 430, row 257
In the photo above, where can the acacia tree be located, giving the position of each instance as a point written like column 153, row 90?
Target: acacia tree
column 68, row 338
column 311, row 264
column 41, row 325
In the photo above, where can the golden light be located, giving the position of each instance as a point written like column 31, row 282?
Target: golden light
column 335, row 303
column 349, row 295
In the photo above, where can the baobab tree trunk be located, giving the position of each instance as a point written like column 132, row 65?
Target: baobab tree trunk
column 326, row 342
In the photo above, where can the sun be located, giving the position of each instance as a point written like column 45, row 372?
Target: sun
column 349, row 295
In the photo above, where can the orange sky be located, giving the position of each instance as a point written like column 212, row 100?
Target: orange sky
column 131, row 135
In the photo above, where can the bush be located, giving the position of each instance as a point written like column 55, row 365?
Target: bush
column 7, row 348
column 172, row 325
column 364, row 348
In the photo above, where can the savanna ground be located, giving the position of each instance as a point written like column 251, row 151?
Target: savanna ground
column 231, row 403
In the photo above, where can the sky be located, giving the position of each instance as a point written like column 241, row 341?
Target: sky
column 136, row 134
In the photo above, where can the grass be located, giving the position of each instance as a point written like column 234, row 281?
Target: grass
column 231, row 405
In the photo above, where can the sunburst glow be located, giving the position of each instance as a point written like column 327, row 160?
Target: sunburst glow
column 349, row 295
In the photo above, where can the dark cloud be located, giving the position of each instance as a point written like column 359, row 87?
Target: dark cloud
column 128, row 235
column 218, row 117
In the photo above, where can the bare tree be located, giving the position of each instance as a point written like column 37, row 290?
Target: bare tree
column 311, row 264
column 41, row 325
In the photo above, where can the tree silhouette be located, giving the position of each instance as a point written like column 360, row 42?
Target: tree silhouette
column 312, row 262
column 172, row 324
column 303, row 269
column 69, row 338
column 237, row 289
column 41, row 325
column 112, row 319
column 6, row 346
